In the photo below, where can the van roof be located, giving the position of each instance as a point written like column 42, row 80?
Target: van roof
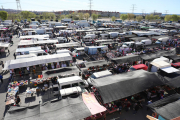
column 102, row 74
column 64, row 81
column 63, row 51
column 81, row 48
column 36, row 51
column 68, row 91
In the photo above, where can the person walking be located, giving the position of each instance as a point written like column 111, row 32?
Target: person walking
column 8, row 51
column 136, row 108
column 14, row 55
column 1, row 78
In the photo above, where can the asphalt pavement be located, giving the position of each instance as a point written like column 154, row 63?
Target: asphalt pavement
column 6, row 75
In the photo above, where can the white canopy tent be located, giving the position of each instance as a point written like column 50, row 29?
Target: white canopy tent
column 4, row 45
column 12, row 64
column 64, row 45
column 161, row 64
column 34, row 42
column 28, row 49
column 169, row 69
column 33, row 36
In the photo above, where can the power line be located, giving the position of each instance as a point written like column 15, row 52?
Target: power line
column 133, row 7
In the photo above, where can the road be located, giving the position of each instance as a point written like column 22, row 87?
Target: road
column 6, row 75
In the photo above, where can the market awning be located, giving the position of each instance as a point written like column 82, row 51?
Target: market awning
column 5, row 45
column 60, row 71
column 126, row 59
column 138, row 38
column 28, row 49
column 174, row 57
column 23, row 113
column 34, row 42
column 96, row 63
column 93, row 105
column 20, row 63
column 120, row 86
column 161, row 64
column 169, row 69
column 168, row 108
column 66, row 45
column 65, row 109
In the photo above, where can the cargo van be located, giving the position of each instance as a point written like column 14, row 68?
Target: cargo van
column 73, row 81
column 97, row 75
column 62, row 39
column 93, row 36
column 146, row 42
column 113, row 34
column 162, row 40
column 92, row 50
column 78, row 51
column 70, row 91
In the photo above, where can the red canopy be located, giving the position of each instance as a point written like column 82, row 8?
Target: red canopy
column 140, row 66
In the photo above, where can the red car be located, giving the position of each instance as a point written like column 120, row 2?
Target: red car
column 138, row 67
column 176, row 65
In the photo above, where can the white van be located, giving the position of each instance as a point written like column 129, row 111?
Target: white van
column 38, row 52
column 78, row 51
column 32, row 32
column 104, row 36
column 62, row 39
column 162, row 40
column 93, row 36
column 70, row 91
column 113, row 34
column 73, row 81
column 146, row 42
column 97, row 75
column 128, row 44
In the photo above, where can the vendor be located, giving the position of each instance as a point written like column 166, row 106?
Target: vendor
column 18, row 100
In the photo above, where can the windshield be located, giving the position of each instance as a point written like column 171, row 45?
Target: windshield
column 159, row 41
column 125, row 44
column 92, row 76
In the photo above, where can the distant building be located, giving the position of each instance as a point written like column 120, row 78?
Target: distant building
column 155, row 13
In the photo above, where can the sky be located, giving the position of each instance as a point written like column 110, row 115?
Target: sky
column 145, row 6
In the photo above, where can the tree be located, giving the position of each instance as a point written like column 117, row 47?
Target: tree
column 123, row 17
column 52, row 16
column 149, row 17
column 45, row 15
column 174, row 18
column 3, row 15
column 113, row 18
column 94, row 17
column 12, row 16
column 157, row 17
column 139, row 18
column 25, row 14
column 86, row 15
column 31, row 15
column 168, row 18
column 130, row 16
column 81, row 16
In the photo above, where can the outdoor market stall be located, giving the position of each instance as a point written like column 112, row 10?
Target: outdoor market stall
column 4, row 46
column 12, row 64
column 116, row 87
column 126, row 59
column 167, row 108
column 67, row 45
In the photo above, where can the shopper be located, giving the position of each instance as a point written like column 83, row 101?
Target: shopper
column 1, row 78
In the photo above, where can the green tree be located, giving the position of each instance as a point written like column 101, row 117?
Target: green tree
column 174, row 18
column 45, row 15
column 157, row 17
column 63, row 16
column 113, row 18
column 86, row 15
column 52, row 16
column 81, row 16
column 94, row 17
column 130, row 16
column 123, row 17
column 12, row 16
column 168, row 18
column 3, row 15
column 37, row 17
column 139, row 18
column 149, row 17
column 32, row 15
column 25, row 14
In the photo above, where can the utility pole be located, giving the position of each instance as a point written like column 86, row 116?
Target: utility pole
column 133, row 7
column 154, row 12
column 2, row 7
column 166, row 11
column 90, row 6
column 142, row 12
column 18, row 5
